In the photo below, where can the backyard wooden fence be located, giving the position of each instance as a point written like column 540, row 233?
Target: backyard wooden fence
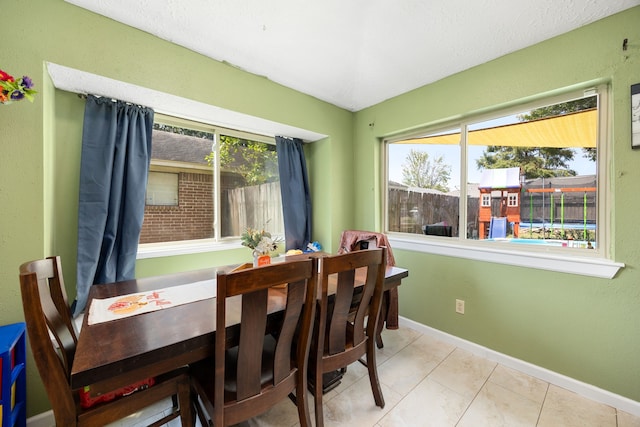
column 408, row 210
column 257, row 206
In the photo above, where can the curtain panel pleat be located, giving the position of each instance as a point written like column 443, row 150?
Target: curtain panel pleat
column 116, row 151
column 294, row 187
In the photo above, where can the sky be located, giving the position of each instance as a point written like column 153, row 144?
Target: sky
column 398, row 154
column 400, row 151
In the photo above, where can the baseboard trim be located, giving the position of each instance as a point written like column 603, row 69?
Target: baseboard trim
column 587, row 390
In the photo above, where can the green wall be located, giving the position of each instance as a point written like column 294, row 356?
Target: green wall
column 582, row 327
column 40, row 142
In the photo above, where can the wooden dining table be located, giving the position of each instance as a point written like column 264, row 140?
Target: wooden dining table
column 114, row 354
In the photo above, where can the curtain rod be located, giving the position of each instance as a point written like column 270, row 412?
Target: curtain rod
column 84, row 96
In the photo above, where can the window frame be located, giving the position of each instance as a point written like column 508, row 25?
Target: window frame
column 597, row 263
column 181, row 247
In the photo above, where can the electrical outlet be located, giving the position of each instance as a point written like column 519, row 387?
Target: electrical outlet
column 460, row 306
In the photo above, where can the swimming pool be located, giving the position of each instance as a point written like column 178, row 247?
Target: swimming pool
column 547, row 242
column 556, row 226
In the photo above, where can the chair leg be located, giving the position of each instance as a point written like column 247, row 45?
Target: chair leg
column 174, row 400
column 379, row 342
column 204, row 422
column 381, row 319
column 184, row 400
column 198, row 410
column 373, row 374
column 317, row 397
column 301, row 400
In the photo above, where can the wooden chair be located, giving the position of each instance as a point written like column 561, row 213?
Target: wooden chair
column 354, row 240
column 53, row 340
column 246, row 378
column 346, row 323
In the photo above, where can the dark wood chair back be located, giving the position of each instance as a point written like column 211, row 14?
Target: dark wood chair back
column 53, row 338
column 354, row 240
column 269, row 361
column 347, row 318
column 53, row 298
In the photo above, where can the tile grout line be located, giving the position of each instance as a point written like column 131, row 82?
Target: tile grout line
column 477, row 393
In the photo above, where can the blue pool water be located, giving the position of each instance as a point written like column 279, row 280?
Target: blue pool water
column 548, row 242
column 555, row 226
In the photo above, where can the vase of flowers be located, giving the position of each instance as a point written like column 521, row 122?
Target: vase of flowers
column 12, row 90
column 262, row 244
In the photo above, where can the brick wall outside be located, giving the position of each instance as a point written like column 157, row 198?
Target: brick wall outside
column 191, row 219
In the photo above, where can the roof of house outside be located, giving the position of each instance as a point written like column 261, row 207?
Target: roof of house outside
column 500, row 178
column 180, row 148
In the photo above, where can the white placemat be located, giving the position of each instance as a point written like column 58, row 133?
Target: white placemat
column 104, row 310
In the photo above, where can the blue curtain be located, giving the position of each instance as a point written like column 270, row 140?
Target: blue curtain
column 116, row 150
column 294, row 186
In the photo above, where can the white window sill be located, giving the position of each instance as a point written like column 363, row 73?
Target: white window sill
column 585, row 266
column 186, row 247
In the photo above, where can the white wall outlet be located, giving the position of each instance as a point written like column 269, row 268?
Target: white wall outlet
column 460, row 306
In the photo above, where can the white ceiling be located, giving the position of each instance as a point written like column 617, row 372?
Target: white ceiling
column 355, row 53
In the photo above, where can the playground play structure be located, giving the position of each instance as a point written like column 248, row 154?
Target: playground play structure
column 506, row 181
column 507, row 184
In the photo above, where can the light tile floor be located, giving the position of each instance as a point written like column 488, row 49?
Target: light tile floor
column 426, row 382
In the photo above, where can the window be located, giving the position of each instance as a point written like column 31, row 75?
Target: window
column 209, row 183
column 162, row 189
column 421, row 177
column 533, row 174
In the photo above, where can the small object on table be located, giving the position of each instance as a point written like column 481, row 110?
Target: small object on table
column 313, row 247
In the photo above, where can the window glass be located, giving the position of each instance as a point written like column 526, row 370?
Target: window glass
column 531, row 177
column 547, row 158
column 424, row 183
column 207, row 183
column 249, row 187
